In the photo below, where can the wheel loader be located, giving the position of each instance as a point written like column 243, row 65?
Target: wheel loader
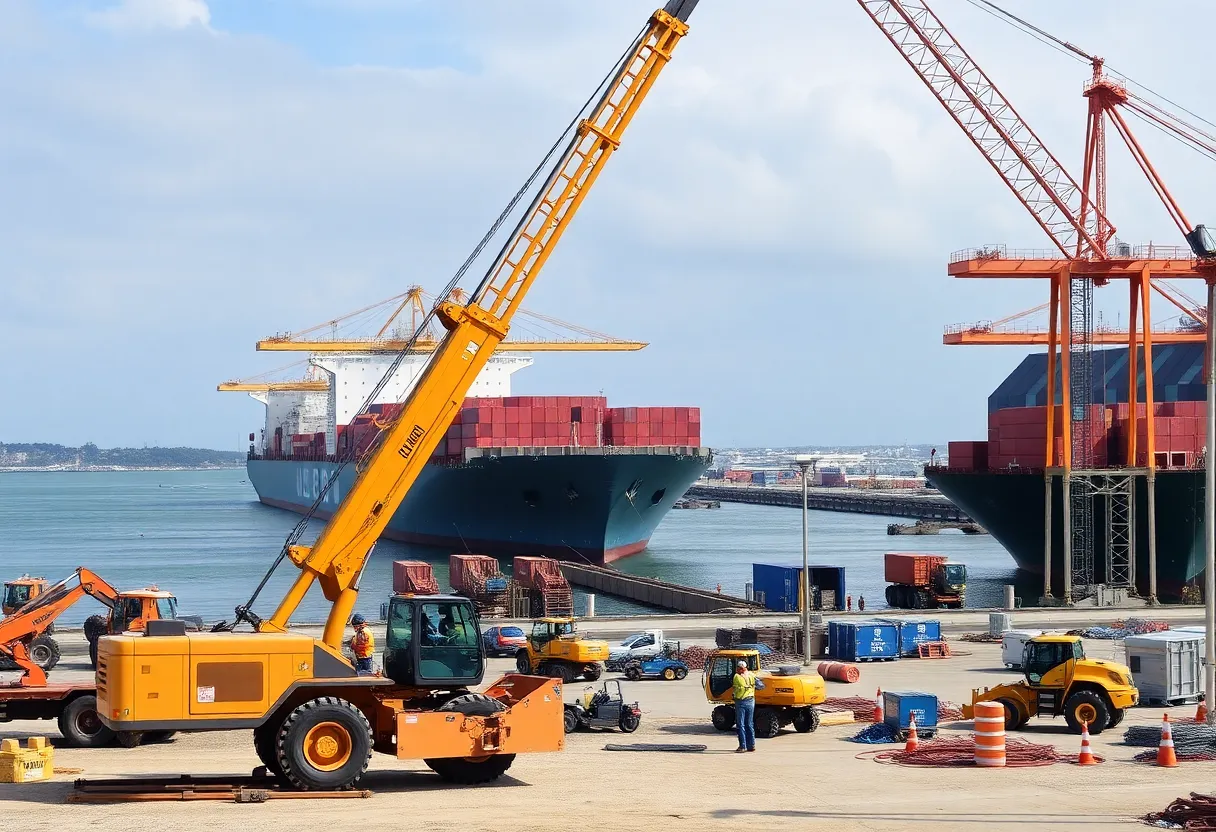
column 20, row 591
column 1060, row 680
column 554, row 649
column 786, row 698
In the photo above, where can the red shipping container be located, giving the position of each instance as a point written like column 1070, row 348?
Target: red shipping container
column 536, row 573
column 414, row 577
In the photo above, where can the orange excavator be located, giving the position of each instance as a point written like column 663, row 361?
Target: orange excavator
column 25, row 645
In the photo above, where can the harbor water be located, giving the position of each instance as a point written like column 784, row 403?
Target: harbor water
column 204, row 536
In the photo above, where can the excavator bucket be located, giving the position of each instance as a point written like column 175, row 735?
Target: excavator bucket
column 531, row 722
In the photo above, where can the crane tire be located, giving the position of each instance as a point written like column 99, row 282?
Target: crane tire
column 723, row 718
column 768, row 724
column 80, row 725
column 44, row 652
column 523, row 662
column 593, row 672
column 152, row 737
column 324, row 744
column 470, row 771
column 129, row 739
column 1013, row 714
column 806, row 720
column 264, row 744
column 1116, row 716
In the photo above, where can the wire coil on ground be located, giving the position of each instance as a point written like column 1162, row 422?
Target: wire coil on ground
column 953, row 752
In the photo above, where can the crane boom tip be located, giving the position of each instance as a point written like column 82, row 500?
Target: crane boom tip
column 680, row 9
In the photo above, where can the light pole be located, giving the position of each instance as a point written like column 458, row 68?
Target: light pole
column 804, row 463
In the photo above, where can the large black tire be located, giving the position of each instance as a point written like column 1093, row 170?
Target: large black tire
column 129, row 739
column 633, row 672
column 629, row 722
column 806, row 720
column 569, row 719
column 264, row 744
column 523, row 664
column 44, row 651
column 891, row 601
column 81, row 726
column 1013, row 715
column 1086, row 706
column 154, row 737
column 1116, row 716
column 723, row 718
column 593, row 672
column 96, row 626
column 467, row 771
column 561, row 671
column 768, row 724
column 93, row 654
column 332, row 759
column 681, row 673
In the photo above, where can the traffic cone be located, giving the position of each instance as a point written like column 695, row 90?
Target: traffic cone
column 1201, row 712
column 1086, row 757
column 878, row 706
column 913, row 743
column 1165, row 751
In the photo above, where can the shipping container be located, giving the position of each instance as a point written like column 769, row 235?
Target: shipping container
column 859, row 641
column 1167, row 667
column 911, row 568
column 414, row 577
column 915, row 631
column 899, row 707
column 536, row 573
column 779, row 587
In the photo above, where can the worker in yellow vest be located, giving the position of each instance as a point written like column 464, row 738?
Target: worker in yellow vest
column 363, row 645
column 744, row 687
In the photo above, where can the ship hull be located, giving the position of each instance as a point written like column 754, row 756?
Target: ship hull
column 1011, row 506
column 577, row 504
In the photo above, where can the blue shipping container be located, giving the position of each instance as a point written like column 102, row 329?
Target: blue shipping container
column 913, row 631
column 859, row 641
column 898, row 708
column 781, row 584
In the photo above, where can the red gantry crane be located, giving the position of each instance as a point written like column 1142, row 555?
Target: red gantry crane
column 1086, row 254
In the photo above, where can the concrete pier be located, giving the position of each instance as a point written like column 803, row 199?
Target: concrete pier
column 655, row 593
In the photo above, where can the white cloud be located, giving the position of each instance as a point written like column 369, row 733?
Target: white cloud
column 154, row 14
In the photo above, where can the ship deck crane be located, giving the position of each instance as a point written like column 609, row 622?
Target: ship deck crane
column 316, row 722
column 1073, row 215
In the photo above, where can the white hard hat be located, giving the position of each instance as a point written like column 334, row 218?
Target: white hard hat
column 742, row 663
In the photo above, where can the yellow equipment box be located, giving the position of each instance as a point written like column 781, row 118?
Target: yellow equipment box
column 26, row 765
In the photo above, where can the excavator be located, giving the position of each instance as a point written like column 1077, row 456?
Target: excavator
column 20, row 591
column 315, row 721
column 26, row 646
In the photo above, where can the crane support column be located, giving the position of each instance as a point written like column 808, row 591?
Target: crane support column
column 1150, row 440
column 1063, row 279
column 1209, row 512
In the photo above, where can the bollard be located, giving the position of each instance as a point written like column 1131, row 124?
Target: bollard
column 1009, row 596
column 590, row 607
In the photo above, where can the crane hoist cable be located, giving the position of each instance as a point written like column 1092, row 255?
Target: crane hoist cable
column 566, row 139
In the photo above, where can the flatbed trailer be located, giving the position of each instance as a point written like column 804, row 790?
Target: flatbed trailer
column 73, row 705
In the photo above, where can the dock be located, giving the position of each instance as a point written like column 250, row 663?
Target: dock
column 857, row 501
column 650, row 591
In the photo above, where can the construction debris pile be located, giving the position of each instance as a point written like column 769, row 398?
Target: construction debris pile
column 949, row 752
column 1195, row 812
column 782, row 639
column 539, row 589
column 1124, row 628
column 1192, row 742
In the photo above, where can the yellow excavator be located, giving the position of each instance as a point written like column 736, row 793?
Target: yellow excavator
column 787, row 698
column 315, row 721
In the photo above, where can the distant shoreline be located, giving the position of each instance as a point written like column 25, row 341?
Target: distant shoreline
column 89, row 469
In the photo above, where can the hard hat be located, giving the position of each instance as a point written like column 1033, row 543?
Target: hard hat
column 742, row 663
column 357, row 620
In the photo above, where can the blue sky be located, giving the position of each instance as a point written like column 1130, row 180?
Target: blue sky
column 186, row 176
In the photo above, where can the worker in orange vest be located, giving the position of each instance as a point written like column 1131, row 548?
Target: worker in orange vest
column 363, row 645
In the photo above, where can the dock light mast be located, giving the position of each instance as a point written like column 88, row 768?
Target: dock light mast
column 804, row 461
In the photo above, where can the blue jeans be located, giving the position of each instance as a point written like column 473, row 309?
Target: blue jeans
column 745, row 722
column 364, row 665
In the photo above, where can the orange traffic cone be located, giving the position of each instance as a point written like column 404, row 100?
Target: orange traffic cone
column 878, row 706
column 1165, row 751
column 913, row 743
column 1086, row 757
column 1201, row 712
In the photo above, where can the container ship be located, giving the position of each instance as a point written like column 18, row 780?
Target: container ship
column 1000, row 482
column 562, row 476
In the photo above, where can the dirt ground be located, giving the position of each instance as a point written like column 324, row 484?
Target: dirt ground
column 803, row 781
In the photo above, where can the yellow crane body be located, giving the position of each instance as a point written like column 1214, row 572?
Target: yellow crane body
column 316, row 721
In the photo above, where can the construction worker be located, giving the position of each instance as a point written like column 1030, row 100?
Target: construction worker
column 744, row 687
column 861, row 603
column 363, row 645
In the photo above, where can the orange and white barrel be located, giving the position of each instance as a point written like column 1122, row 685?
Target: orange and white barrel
column 990, row 734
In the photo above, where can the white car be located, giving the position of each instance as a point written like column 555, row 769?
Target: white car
column 642, row 645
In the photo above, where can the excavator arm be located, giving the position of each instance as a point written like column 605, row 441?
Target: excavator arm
column 33, row 619
column 474, row 330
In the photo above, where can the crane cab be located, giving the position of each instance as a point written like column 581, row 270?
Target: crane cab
column 433, row 641
column 20, row 591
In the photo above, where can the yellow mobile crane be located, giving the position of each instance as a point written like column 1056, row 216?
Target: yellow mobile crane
column 315, row 721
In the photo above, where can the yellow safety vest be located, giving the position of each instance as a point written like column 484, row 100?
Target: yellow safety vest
column 744, row 685
column 364, row 643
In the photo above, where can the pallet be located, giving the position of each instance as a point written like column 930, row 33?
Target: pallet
column 251, row 789
column 933, row 650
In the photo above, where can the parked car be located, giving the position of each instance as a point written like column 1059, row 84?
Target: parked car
column 642, row 645
column 660, row 667
column 503, row 641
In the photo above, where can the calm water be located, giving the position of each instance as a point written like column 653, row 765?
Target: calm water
column 203, row 535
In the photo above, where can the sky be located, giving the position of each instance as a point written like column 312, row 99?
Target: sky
column 183, row 177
